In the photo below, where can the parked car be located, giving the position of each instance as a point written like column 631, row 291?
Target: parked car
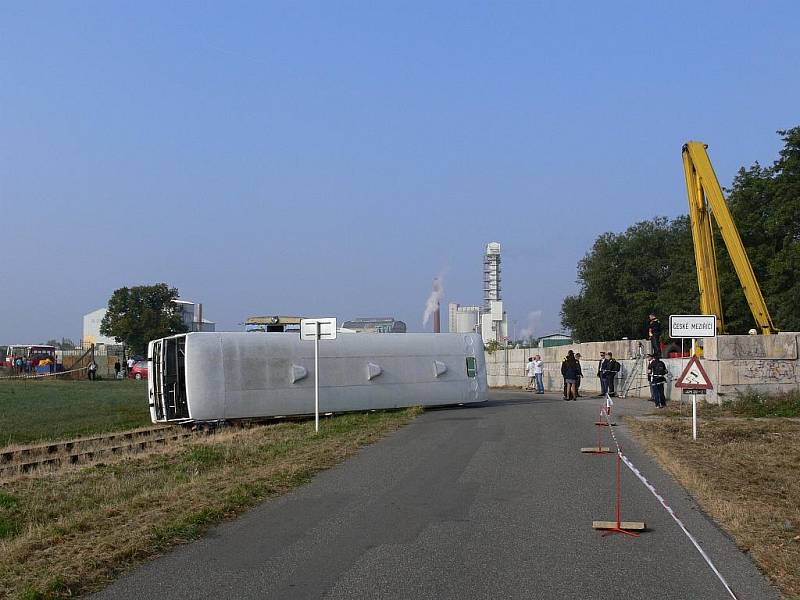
column 139, row 370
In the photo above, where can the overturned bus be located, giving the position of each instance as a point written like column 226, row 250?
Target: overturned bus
column 231, row 375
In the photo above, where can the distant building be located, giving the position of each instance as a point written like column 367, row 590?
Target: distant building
column 375, row 325
column 554, row 339
column 91, row 328
column 273, row 324
column 490, row 320
column 190, row 313
column 463, row 319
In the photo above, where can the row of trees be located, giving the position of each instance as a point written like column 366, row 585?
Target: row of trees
column 651, row 268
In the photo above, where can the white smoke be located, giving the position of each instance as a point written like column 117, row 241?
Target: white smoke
column 434, row 300
column 531, row 324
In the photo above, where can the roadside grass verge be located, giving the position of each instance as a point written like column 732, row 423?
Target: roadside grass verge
column 749, row 404
column 745, row 473
column 52, row 409
column 71, row 533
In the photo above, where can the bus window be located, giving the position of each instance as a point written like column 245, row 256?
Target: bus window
column 472, row 366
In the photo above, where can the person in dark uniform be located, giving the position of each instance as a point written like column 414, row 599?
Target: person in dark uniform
column 602, row 364
column 657, row 375
column 612, row 368
column 654, row 333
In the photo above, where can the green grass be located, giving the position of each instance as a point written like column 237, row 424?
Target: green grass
column 69, row 533
column 753, row 404
column 36, row 410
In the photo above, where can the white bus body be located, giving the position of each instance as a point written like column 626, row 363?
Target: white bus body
column 230, row 375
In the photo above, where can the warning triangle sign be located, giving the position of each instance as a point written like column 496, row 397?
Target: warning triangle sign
column 694, row 376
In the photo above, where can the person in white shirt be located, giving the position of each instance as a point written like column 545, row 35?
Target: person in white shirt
column 538, row 373
column 530, row 372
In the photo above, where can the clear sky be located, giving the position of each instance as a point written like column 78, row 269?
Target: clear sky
column 331, row 158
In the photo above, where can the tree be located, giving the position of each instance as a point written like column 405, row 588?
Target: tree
column 624, row 277
column 651, row 267
column 765, row 202
column 142, row 313
column 492, row 346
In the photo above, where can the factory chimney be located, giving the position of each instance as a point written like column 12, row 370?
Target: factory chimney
column 437, row 323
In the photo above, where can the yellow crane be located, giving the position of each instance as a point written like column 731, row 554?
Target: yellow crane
column 706, row 200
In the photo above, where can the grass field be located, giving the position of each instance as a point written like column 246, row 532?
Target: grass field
column 744, row 473
column 70, row 533
column 49, row 409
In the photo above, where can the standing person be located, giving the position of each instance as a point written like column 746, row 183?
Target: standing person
column 538, row 372
column 18, row 365
column 654, row 333
column 612, row 368
column 571, row 370
column 580, row 376
column 529, row 371
column 657, row 374
column 602, row 364
column 117, row 369
column 131, row 362
column 564, row 378
column 92, row 370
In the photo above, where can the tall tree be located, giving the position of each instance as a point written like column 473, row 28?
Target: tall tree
column 765, row 202
column 142, row 313
column 651, row 267
column 648, row 268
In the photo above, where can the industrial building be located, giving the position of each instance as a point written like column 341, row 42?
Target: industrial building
column 191, row 314
column 490, row 320
column 464, row 319
column 554, row 339
column 375, row 325
column 273, row 324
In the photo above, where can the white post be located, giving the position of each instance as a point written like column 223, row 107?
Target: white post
column 694, row 416
column 316, row 380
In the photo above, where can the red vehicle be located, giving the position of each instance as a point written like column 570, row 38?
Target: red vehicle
column 36, row 354
column 139, row 370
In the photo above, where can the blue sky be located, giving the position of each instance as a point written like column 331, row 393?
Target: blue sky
column 333, row 157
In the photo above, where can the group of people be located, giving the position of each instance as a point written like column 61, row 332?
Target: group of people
column 91, row 371
column 22, row 365
column 535, row 372
column 607, row 370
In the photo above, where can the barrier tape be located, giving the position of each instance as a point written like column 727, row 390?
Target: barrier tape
column 669, row 510
column 44, row 374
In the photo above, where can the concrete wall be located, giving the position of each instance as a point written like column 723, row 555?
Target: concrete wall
column 733, row 362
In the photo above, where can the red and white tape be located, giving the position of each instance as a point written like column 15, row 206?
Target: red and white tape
column 666, row 506
column 43, row 374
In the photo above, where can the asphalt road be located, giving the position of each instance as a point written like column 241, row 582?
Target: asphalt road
column 489, row 502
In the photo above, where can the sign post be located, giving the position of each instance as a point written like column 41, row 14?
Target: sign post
column 317, row 329
column 694, row 379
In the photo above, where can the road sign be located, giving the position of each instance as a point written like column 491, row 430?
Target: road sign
column 316, row 330
column 692, row 326
column 693, row 392
column 694, row 376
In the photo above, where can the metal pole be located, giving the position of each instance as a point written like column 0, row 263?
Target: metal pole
column 682, row 367
column 316, row 380
column 694, row 416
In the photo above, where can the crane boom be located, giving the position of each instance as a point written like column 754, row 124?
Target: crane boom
column 706, row 199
